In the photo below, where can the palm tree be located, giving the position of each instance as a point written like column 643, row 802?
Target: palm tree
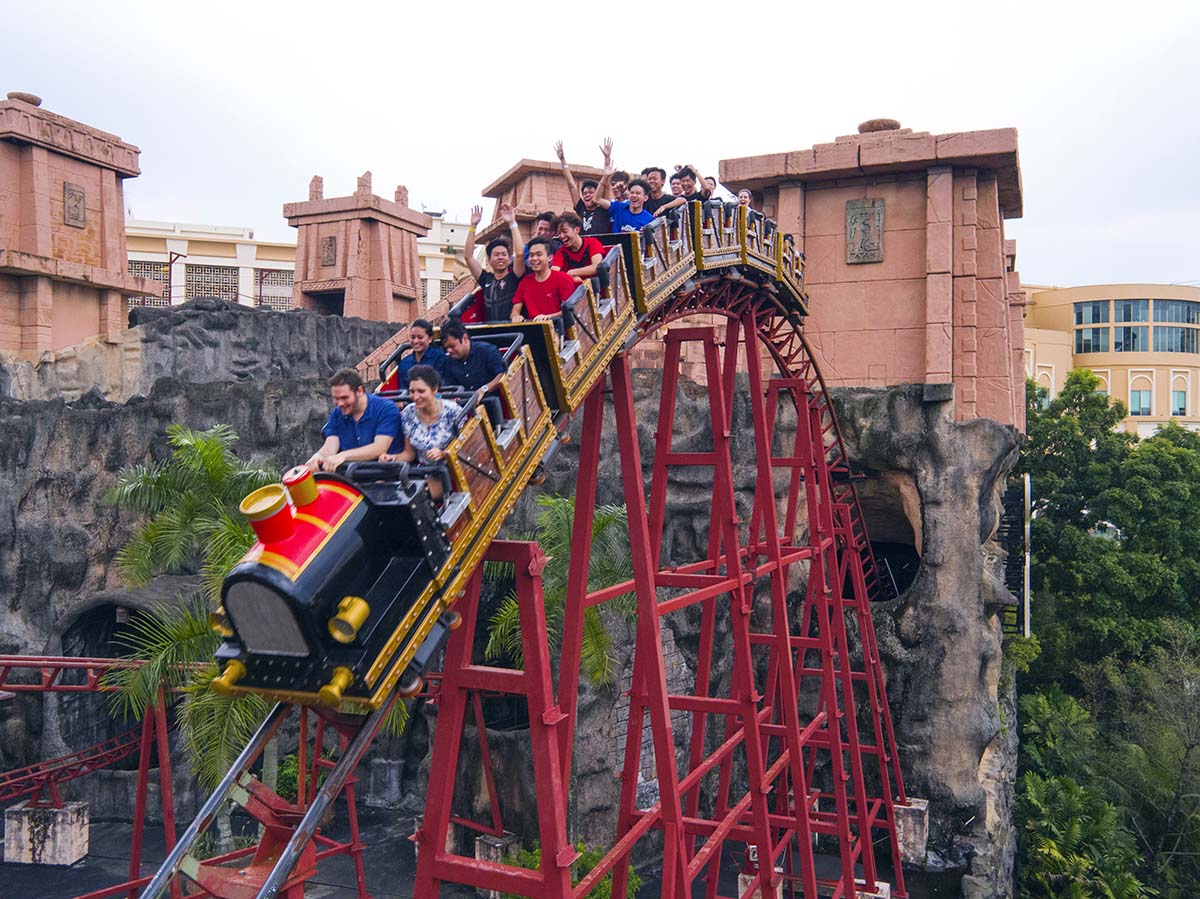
column 192, row 501
column 610, row 564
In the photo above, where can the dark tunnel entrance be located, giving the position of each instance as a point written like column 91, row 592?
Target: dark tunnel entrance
column 892, row 510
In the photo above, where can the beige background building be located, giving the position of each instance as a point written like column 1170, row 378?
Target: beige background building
column 1141, row 340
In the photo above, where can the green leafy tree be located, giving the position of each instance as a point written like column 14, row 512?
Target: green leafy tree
column 588, row 858
column 191, row 501
column 1072, row 844
column 1150, row 710
column 1116, row 533
column 1111, row 714
column 1059, row 735
column 610, row 564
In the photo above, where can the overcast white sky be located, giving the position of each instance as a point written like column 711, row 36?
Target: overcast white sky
column 235, row 106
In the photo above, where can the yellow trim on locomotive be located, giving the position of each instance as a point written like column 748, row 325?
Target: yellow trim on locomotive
column 318, row 523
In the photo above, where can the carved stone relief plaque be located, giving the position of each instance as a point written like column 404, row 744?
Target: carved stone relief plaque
column 74, row 205
column 328, row 250
column 864, row 231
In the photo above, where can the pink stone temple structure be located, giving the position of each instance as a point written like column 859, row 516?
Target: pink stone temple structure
column 909, row 274
column 63, row 261
column 357, row 255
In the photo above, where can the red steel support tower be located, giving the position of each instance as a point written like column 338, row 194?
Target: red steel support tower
column 798, row 752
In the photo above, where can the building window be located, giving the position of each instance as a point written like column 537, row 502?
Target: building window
column 155, row 271
column 1093, row 313
column 273, row 289
column 1169, row 339
column 1182, row 312
column 1091, row 340
column 211, row 281
column 1139, row 402
column 1179, row 402
column 447, row 288
column 1131, row 310
column 1135, row 339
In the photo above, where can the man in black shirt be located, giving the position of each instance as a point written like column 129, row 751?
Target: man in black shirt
column 475, row 365
column 595, row 218
column 657, row 179
column 507, row 265
column 694, row 187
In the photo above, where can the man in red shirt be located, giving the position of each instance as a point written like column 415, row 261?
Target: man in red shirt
column 541, row 294
column 578, row 256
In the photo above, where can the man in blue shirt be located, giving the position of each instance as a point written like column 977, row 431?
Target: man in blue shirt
column 360, row 428
column 475, row 365
column 630, row 214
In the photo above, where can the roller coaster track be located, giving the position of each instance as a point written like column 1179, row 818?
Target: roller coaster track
column 712, row 261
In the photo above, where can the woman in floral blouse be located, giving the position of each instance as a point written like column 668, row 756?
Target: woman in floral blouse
column 428, row 423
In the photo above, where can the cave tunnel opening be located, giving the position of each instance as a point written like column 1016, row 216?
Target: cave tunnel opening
column 86, row 719
column 892, row 511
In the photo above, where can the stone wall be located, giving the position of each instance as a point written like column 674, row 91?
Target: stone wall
column 205, row 341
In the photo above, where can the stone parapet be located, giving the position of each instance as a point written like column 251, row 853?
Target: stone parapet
column 357, row 255
column 23, row 121
column 883, row 152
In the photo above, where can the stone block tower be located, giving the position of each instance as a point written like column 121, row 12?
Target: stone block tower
column 357, row 255
column 62, row 229
column 910, row 278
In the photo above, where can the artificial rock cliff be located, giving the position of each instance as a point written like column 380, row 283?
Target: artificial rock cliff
column 931, row 481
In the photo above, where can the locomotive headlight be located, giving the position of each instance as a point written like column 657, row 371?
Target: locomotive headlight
column 263, row 620
column 352, row 613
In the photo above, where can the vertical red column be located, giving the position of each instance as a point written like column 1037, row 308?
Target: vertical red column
column 649, row 681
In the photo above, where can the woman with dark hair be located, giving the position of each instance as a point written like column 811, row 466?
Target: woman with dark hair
column 420, row 336
column 428, row 423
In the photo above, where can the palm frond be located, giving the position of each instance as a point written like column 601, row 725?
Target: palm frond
column 176, row 544
column 138, row 559
column 596, row 650
column 504, row 632
column 226, row 540
column 170, row 641
column 216, row 728
column 247, row 477
column 143, row 488
column 397, row 720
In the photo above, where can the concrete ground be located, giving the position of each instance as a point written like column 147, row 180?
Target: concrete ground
column 388, row 859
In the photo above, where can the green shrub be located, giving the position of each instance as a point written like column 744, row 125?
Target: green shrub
column 589, row 857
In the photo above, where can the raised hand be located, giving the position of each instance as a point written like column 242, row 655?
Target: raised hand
column 606, row 149
column 507, row 213
column 558, row 151
column 476, row 216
